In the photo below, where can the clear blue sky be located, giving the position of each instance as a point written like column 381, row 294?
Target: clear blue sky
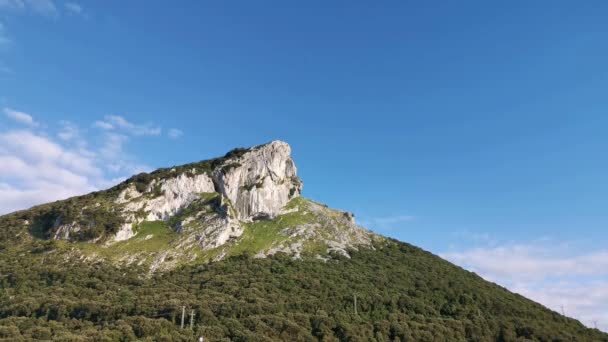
column 449, row 125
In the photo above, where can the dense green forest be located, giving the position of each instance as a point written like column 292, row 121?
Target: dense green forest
column 402, row 292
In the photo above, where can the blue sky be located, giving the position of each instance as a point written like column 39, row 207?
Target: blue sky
column 475, row 130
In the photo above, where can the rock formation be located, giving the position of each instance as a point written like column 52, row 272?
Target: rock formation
column 260, row 182
column 210, row 206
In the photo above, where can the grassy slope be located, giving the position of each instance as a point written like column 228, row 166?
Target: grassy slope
column 153, row 238
column 262, row 235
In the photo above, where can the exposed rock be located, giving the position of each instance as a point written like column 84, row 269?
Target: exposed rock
column 175, row 194
column 63, row 231
column 128, row 194
column 125, row 232
column 260, row 182
column 211, row 229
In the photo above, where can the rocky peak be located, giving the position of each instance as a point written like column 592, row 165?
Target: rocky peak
column 259, row 182
column 255, row 183
column 247, row 201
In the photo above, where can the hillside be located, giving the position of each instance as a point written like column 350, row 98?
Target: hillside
column 231, row 243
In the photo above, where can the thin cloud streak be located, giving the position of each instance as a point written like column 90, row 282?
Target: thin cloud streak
column 175, row 133
column 119, row 123
column 41, row 7
column 20, row 117
column 73, row 7
column 387, row 222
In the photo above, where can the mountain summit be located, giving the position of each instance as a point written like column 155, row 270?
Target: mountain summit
column 230, row 249
column 247, row 201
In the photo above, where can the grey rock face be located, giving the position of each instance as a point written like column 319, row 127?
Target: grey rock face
column 255, row 184
column 260, row 182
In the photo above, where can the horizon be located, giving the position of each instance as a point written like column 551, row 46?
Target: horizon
column 475, row 131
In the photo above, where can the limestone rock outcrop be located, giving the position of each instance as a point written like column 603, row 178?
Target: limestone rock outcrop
column 261, row 181
column 246, row 201
column 254, row 184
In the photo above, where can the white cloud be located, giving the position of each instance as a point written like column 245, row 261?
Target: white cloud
column 73, row 7
column 119, row 161
column 530, row 262
column 37, row 166
column 34, row 169
column 20, row 117
column 175, row 133
column 112, row 147
column 549, row 273
column 102, row 125
column 585, row 301
column 36, row 149
column 119, row 123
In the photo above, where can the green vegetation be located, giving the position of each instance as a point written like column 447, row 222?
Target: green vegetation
column 264, row 234
column 73, row 290
column 403, row 294
column 95, row 212
column 151, row 237
column 141, row 181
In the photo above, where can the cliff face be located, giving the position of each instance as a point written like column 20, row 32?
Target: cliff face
column 255, row 184
column 260, row 182
column 247, row 201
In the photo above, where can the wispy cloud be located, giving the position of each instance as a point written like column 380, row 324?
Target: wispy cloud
column 69, row 131
column 531, row 262
column 40, row 164
column 175, row 133
column 3, row 35
column 119, row 161
column 394, row 219
column 548, row 272
column 36, row 169
column 119, row 123
column 42, row 7
column 12, row 4
column 20, row 117
column 386, row 222
column 103, row 125
column 73, row 8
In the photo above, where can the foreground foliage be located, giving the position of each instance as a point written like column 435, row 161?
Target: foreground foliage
column 403, row 294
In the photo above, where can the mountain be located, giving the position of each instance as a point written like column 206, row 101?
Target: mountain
column 230, row 246
column 247, row 202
